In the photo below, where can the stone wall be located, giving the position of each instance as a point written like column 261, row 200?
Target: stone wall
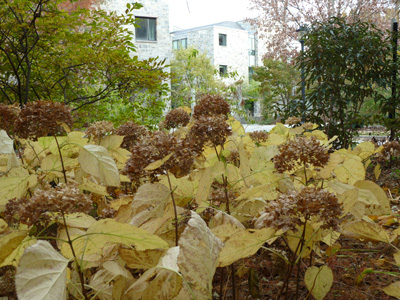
column 158, row 9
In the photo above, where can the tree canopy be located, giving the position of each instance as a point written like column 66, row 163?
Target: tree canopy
column 77, row 56
column 280, row 19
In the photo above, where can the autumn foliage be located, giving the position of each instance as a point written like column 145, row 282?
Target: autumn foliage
column 201, row 211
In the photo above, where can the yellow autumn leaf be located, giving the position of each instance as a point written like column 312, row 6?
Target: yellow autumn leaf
column 41, row 273
column 184, row 188
column 149, row 202
column 366, row 231
column 107, row 231
column 95, row 160
column 52, row 163
column 377, row 171
column 236, row 126
column 281, row 130
column 158, row 163
column 247, row 209
column 364, row 150
column 79, row 220
column 110, row 281
column 327, row 171
column 3, row 225
column 276, row 139
column 143, row 260
column 319, row 281
column 15, row 184
column 161, row 282
column 225, row 231
column 12, row 247
column 380, row 196
column 350, row 171
column 206, row 180
column 243, row 244
column 93, row 187
column 294, row 239
column 396, row 257
column 392, row 289
column 198, row 257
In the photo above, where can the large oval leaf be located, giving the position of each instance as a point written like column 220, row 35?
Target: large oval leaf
column 96, row 161
column 42, row 273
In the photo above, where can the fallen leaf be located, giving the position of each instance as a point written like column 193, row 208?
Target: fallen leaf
column 318, row 281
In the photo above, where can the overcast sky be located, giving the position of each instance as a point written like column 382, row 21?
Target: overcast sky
column 192, row 13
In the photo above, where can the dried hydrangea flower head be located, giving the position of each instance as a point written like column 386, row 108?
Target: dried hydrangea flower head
column 65, row 199
column 210, row 105
column 208, row 131
column 293, row 121
column 296, row 207
column 303, row 151
column 174, row 119
column 100, row 129
column 259, row 136
column 131, row 132
column 156, row 146
column 390, row 151
column 42, row 118
column 8, row 116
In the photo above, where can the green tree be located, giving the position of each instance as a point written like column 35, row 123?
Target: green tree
column 278, row 81
column 193, row 74
column 345, row 64
column 78, row 56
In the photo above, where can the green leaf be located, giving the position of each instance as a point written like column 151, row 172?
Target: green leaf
column 42, row 273
column 96, row 161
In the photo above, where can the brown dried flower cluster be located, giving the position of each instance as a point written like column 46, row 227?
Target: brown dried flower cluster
column 390, row 151
column 218, row 196
column 234, row 158
column 288, row 209
column 42, row 118
column 131, row 132
column 211, row 105
column 308, row 126
column 259, row 136
column 174, row 119
column 156, row 146
column 209, row 130
column 66, row 199
column 100, row 129
column 306, row 151
column 8, row 116
column 293, row 121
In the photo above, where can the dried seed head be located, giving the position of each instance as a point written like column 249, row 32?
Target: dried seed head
column 259, row 136
column 131, row 132
column 390, row 150
column 293, row 121
column 156, row 146
column 210, row 105
column 8, row 116
column 42, row 118
column 290, row 209
column 66, row 199
column 100, row 129
column 207, row 130
column 306, row 151
column 175, row 118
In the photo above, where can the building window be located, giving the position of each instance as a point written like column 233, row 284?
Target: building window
column 222, row 39
column 223, row 70
column 179, row 44
column 147, row 30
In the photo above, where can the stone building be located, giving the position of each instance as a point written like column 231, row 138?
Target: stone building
column 152, row 39
column 232, row 47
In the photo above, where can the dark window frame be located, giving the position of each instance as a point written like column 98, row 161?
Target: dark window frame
column 223, row 70
column 147, row 31
column 222, row 39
